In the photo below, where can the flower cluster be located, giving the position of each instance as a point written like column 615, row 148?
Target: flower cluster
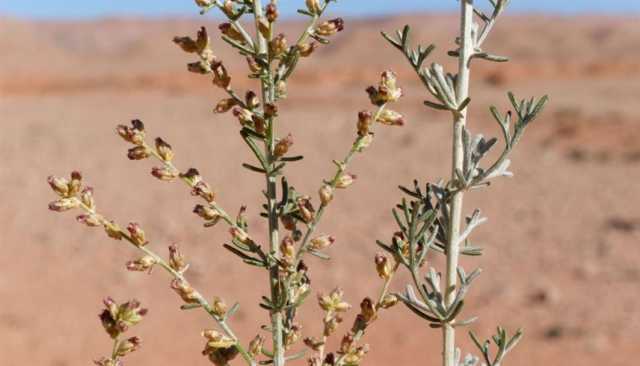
column 116, row 320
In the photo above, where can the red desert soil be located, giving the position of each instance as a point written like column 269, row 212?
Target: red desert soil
column 562, row 255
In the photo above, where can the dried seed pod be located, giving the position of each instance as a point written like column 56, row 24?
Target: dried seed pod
column 388, row 90
column 206, row 212
column 219, row 307
column 270, row 110
column 288, row 250
column 221, row 77
column 326, row 194
column 305, row 209
column 143, row 264
column 204, row 3
column 138, row 153
column 321, row 242
column 345, row 180
column 164, row 173
column 113, row 230
column 164, row 149
column 240, row 235
column 75, row 184
column 203, row 190
column 187, row 44
column 365, row 119
column 255, row 346
column 388, row 301
column 368, row 310
column 136, row 234
column 383, row 267
column 330, row 27
column 185, row 291
column 134, row 134
column 127, row 346
column 278, row 45
column 191, row 176
column 225, row 105
column 251, row 100
column 288, row 222
column 282, row 146
column 176, row 259
column 306, row 49
column 281, row 89
column 271, row 12
column 347, row 344
column 390, row 118
column 244, row 116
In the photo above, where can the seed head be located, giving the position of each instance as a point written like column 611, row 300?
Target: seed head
column 368, row 310
column 116, row 319
column 191, row 176
column 288, row 250
column 203, row 190
column 270, row 110
column 330, row 27
column 136, row 234
column 187, row 44
column 254, row 66
column 240, row 235
column 216, row 340
column 244, row 116
column 199, row 67
column 281, row 89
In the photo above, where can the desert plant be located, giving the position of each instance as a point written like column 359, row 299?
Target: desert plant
column 271, row 62
column 431, row 219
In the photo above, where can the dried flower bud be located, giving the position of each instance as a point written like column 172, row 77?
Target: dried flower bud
column 221, row 77
column 191, row 176
column 185, row 291
column 244, row 116
column 251, row 100
column 388, row 90
column 329, row 360
column 345, row 180
column 322, row 242
column 59, row 185
column 313, row 343
column 390, row 118
column 113, row 230
column 306, row 49
column 203, row 190
column 305, row 209
column 271, row 12
column 363, row 142
column 64, row 204
column 333, row 302
column 331, row 324
column 127, row 346
column 388, row 301
column 219, row 307
column 365, row 118
column 270, row 110
column 86, row 197
column 288, row 250
column 255, row 346
column 330, row 27
column 230, row 31
column 240, row 235
column 136, row 234
column 187, row 44
column 254, row 67
column 199, row 67
column 282, row 146
column 164, row 149
column 281, row 89
column 204, row 3
column 116, row 319
column 89, row 220
column 259, row 124
column 326, row 194
column 278, row 45
column 164, row 173
column 138, row 153
column 293, row 335
column 347, row 344
column 368, row 310
column 313, row 6
column 383, row 266
column 206, row 212
column 288, row 222
column 225, row 105
column 176, row 259
column 142, row 264
column 134, row 134
column 107, row 362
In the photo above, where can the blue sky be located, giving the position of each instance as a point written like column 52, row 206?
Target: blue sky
column 98, row 8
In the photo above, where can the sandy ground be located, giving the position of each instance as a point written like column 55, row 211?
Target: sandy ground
column 561, row 245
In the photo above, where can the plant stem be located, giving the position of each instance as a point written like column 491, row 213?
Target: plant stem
column 460, row 120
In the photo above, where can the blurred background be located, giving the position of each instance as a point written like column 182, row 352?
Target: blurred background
column 561, row 246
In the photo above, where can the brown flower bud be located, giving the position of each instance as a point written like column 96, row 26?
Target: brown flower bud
column 199, row 67
column 203, row 190
column 187, row 44
column 164, row 173
column 365, row 118
column 134, row 134
column 219, row 307
column 363, row 142
column 322, row 242
column 89, row 220
column 176, row 259
column 142, row 264
column 347, row 344
column 225, row 105
column 305, row 209
column 293, row 335
column 240, row 235
column 288, row 222
column 64, row 204
column 255, row 346
column 127, row 346
column 116, row 319
column 388, row 301
column 204, row 3
column 59, row 185
column 138, row 153
column 86, row 197
column 185, row 291
column 331, row 324
column 282, row 146
column 288, row 250
column 136, row 234
column 368, row 310
column 259, row 124
column 107, row 362
column 206, row 212
column 254, row 67
column 313, row 6
column 278, row 45
column 230, row 31
column 306, row 49
column 390, row 118
column 326, row 194
column 313, row 343
column 271, row 12
column 270, row 110
column 113, row 230
column 281, row 89
column 244, row 116
column 75, row 183
column 383, row 266
column 388, row 90
column 221, row 77
column 345, row 180
column 202, row 41
column 330, row 27
column 333, row 302
column 191, row 176
column 251, row 100
column 164, row 149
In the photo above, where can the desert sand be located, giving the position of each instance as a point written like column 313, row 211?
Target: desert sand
column 562, row 254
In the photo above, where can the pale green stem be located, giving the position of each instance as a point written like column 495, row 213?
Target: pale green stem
column 453, row 245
